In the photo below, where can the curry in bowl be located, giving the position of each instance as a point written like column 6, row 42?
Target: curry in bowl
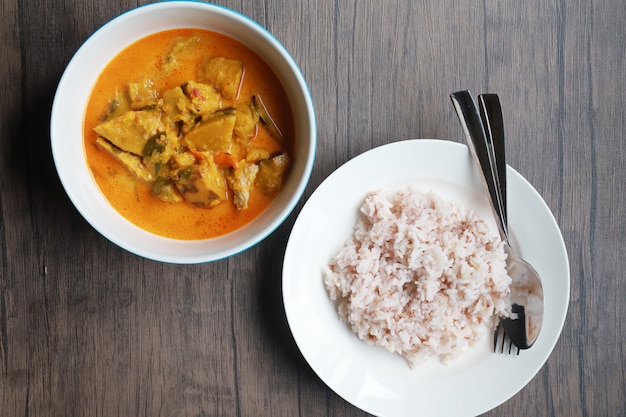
column 188, row 134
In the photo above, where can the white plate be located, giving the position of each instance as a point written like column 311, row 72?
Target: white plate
column 370, row 377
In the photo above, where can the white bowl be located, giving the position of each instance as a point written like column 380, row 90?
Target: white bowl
column 73, row 93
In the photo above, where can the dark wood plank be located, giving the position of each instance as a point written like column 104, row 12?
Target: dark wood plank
column 89, row 329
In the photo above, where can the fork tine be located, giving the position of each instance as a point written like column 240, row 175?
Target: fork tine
column 495, row 338
column 504, row 339
column 500, row 340
column 498, row 335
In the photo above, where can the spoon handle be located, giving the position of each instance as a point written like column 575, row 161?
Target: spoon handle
column 472, row 125
column 491, row 115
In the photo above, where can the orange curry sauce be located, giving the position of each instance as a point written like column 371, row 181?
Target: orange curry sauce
column 131, row 197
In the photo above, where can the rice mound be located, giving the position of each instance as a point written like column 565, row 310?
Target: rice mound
column 419, row 276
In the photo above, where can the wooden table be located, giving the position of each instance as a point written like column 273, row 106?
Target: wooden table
column 87, row 329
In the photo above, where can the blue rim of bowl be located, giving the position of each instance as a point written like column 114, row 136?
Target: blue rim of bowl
column 302, row 183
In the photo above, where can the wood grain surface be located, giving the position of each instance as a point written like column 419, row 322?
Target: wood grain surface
column 87, row 329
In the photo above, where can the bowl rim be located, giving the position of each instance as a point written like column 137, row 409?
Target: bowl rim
column 187, row 251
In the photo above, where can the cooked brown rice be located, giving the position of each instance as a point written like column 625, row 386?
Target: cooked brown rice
column 420, row 276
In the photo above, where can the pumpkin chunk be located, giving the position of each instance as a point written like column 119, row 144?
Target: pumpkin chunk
column 224, row 74
column 142, row 94
column 131, row 131
column 214, row 135
column 176, row 107
column 130, row 161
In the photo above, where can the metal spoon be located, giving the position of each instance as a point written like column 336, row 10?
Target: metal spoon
column 485, row 135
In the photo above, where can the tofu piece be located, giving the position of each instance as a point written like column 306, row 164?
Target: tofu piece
column 214, row 134
column 202, row 185
column 272, row 172
column 131, row 131
column 241, row 180
column 224, row 74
